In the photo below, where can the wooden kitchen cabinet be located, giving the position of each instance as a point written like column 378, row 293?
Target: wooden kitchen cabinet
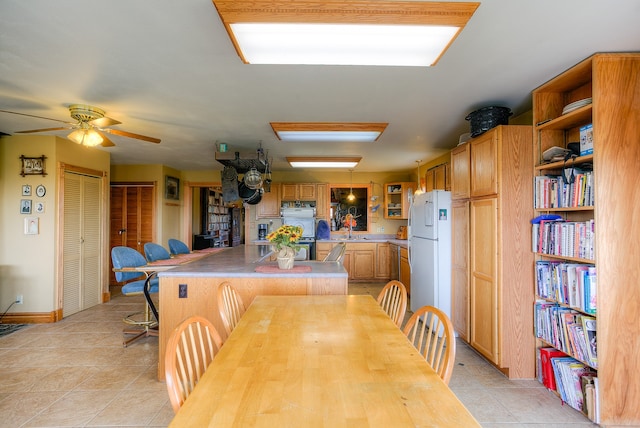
column 460, row 268
column 269, row 206
column 322, row 201
column 498, row 235
column 298, row 191
column 383, row 261
column 460, row 172
column 405, row 269
column 360, row 259
column 394, row 261
column 396, row 200
column 437, row 178
column 484, row 170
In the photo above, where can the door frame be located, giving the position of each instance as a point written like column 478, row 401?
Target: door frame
column 187, row 208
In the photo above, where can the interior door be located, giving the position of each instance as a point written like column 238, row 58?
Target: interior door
column 132, row 216
column 81, row 244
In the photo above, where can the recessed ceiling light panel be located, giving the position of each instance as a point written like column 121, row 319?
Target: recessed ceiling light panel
column 397, row 33
column 328, row 131
column 323, row 162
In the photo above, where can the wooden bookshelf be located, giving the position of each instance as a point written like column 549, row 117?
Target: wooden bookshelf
column 612, row 80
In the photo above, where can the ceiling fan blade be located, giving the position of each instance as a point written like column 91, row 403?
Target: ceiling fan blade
column 103, row 122
column 43, row 130
column 105, row 141
column 132, row 135
column 32, row 115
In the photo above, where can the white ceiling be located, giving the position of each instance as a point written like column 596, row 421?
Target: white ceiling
column 167, row 69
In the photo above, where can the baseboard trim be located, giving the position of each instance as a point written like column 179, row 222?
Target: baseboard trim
column 32, row 317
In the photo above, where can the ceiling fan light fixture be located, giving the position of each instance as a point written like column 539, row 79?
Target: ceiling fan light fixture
column 86, row 137
column 391, row 33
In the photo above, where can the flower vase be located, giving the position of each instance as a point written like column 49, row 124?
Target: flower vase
column 285, row 262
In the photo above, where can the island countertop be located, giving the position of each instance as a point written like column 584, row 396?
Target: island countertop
column 241, row 262
column 192, row 288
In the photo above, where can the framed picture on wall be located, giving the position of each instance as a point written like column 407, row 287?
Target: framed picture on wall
column 25, row 206
column 171, row 188
column 33, row 165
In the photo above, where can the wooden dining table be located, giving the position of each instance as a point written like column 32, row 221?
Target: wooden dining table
column 320, row 361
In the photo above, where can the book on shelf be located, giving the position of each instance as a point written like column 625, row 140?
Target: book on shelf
column 546, row 368
column 589, row 326
column 572, row 284
column 564, row 239
column 574, row 188
column 568, row 373
column 567, row 330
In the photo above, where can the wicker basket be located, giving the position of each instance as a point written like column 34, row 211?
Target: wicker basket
column 486, row 118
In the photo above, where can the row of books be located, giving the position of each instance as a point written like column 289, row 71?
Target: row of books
column 562, row 192
column 564, row 238
column 567, row 330
column 576, row 383
column 573, row 284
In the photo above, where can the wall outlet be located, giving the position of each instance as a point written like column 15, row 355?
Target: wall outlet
column 182, row 291
column 19, row 299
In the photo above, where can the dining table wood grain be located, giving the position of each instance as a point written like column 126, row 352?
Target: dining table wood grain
column 320, row 361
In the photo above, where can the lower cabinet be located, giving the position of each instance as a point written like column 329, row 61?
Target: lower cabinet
column 383, row 261
column 394, row 258
column 364, row 261
column 405, row 269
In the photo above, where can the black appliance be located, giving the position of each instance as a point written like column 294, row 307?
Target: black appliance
column 263, row 230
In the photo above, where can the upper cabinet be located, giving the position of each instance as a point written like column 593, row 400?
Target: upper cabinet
column 396, row 200
column 269, row 206
column 438, row 178
column 461, row 170
column 484, row 168
column 298, row 191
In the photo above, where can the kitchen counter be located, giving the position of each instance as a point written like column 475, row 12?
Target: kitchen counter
column 198, row 283
column 369, row 238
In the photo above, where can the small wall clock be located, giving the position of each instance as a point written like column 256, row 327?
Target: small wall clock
column 41, row 191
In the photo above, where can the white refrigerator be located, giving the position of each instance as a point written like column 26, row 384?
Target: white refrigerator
column 429, row 245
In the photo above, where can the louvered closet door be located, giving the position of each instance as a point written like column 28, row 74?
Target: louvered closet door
column 81, row 246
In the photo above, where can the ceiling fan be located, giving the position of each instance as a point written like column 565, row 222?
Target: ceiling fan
column 90, row 126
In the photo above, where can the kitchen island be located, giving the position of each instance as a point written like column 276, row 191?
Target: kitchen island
column 198, row 281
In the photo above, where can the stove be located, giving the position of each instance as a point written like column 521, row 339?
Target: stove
column 306, row 219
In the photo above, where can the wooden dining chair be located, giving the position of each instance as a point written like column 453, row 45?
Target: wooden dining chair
column 230, row 306
column 431, row 332
column 190, row 349
column 336, row 254
column 393, row 299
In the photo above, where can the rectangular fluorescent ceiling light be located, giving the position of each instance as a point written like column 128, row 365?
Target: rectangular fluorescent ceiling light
column 328, row 131
column 323, row 162
column 395, row 33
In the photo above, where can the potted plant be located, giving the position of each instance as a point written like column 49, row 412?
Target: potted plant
column 285, row 244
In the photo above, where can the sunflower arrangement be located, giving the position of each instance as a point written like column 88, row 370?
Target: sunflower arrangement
column 285, row 240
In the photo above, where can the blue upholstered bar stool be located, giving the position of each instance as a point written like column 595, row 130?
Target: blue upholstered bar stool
column 125, row 260
column 155, row 252
column 178, row 247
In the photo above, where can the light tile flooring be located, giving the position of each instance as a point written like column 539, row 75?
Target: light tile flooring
column 75, row 373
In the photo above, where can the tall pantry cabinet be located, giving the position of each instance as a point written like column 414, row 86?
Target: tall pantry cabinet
column 492, row 266
column 612, row 81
